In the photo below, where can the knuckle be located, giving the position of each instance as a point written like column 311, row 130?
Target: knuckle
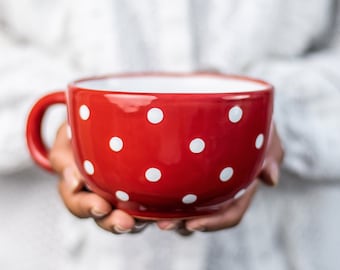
column 236, row 221
column 107, row 224
column 74, row 210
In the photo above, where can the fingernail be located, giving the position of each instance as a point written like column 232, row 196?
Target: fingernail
column 70, row 178
column 140, row 225
column 97, row 213
column 120, row 229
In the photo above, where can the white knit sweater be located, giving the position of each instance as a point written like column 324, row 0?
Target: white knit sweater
column 295, row 45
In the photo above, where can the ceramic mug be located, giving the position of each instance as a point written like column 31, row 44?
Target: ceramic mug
column 160, row 145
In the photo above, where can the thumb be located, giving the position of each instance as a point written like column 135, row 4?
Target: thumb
column 61, row 155
column 270, row 172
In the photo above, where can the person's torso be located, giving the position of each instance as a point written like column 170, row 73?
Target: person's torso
column 109, row 36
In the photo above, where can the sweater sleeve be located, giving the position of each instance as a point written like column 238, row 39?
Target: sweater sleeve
column 27, row 72
column 307, row 110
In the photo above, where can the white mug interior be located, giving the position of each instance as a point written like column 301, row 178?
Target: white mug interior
column 194, row 84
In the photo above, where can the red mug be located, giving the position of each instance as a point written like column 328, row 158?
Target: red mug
column 163, row 145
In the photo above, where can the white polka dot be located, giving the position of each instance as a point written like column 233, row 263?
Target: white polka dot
column 235, row 114
column 69, row 132
column 189, row 198
column 153, row 174
column 259, row 141
column 122, row 196
column 155, row 115
column 239, row 194
column 226, row 174
column 116, row 144
column 88, row 167
column 84, row 112
column 197, row 145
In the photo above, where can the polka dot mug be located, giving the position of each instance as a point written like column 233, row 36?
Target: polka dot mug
column 163, row 145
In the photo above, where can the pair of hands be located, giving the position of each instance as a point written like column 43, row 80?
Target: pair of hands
column 85, row 204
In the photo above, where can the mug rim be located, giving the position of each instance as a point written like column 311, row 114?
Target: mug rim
column 266, row 87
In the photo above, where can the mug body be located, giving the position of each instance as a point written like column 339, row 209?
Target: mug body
column 169, row 145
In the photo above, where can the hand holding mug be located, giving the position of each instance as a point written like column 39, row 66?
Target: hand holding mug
column 84, row 204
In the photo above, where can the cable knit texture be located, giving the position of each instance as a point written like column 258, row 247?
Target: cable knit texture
column 292, row 44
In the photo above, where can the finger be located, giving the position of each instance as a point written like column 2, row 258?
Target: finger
column 276, row 148
column 117, row 222
column 61, row 155
column 81, row 203
column 177, row 225
column 229, row 216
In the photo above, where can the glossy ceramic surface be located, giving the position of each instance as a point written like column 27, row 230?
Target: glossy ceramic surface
column 168, row 155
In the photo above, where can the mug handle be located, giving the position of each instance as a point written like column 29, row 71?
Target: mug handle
column 36, row 146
